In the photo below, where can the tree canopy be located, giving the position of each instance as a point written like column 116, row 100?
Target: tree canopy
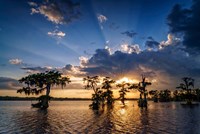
column 36, row 83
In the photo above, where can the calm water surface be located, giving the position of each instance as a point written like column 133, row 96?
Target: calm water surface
column 75, row 117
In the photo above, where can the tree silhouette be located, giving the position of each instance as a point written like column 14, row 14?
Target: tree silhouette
column 108, row 94
column 178, row 95
column 197, row 94
column 164, row 95
column 97, row 97
column 187, row 85
column 154, row 95
column 122, row 92
column 141, row 86
column 37, row 83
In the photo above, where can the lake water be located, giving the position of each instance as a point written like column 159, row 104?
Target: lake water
column 75, row 117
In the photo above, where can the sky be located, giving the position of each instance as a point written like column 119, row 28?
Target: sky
column 119, row 39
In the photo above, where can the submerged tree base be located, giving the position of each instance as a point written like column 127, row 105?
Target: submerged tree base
column 43, row 102
column 142, row 103
column 37, row 105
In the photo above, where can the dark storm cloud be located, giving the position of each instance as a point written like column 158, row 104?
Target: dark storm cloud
column 58, row 12
column 68, row 67
column 186, row 22
column 9, row 83
column 168, row 62
column 130, row 34
column 151, row 43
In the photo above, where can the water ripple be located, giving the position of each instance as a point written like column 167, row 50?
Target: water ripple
column 75, row 117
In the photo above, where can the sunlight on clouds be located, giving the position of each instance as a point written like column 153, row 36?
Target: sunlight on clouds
column 15, row 61
column 58, row 12
column 127, row 80
column 130, row 48
column 57, row 33
column 71, row 70
column 83, row 61
column 102, row 18
column 171, row 40
column 107, row 48
column 33, row 11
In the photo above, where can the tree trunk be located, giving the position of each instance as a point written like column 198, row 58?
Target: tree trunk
column 45, row 100
column 48, row 89
column 145, row 100
column 140, row 101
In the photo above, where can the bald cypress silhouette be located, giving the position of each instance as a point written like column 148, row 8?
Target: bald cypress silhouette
column 188, row 86
column 97, row 96
column 123, row 90
column 35, row 84
column 108, row 94
column 141, row 87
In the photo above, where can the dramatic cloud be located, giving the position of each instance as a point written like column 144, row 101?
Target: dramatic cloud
column 56, row 33
column 130, row 34
column 164, row 66
column 171, row 40
column 186, row 23
column 15, row 61
column 71, row 70
column 9, row 83
column 58, row 12
column 130, row 48
column 83, row 60
column 151, row 44
column 101, row 18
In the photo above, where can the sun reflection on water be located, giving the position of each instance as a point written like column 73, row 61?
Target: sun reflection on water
column 122, row 111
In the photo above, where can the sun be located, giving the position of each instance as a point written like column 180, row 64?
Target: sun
column 127, row 80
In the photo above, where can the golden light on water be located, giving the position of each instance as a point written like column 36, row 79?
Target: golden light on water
column 122, row 111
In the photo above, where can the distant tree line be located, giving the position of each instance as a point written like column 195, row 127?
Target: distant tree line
column 186, row 92
column 177, row 95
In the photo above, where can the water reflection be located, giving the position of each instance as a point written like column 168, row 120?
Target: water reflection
column 76, row 117
column 35, row 121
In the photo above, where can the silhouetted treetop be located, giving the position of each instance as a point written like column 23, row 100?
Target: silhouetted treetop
column 36, row 83
column 188, row 83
